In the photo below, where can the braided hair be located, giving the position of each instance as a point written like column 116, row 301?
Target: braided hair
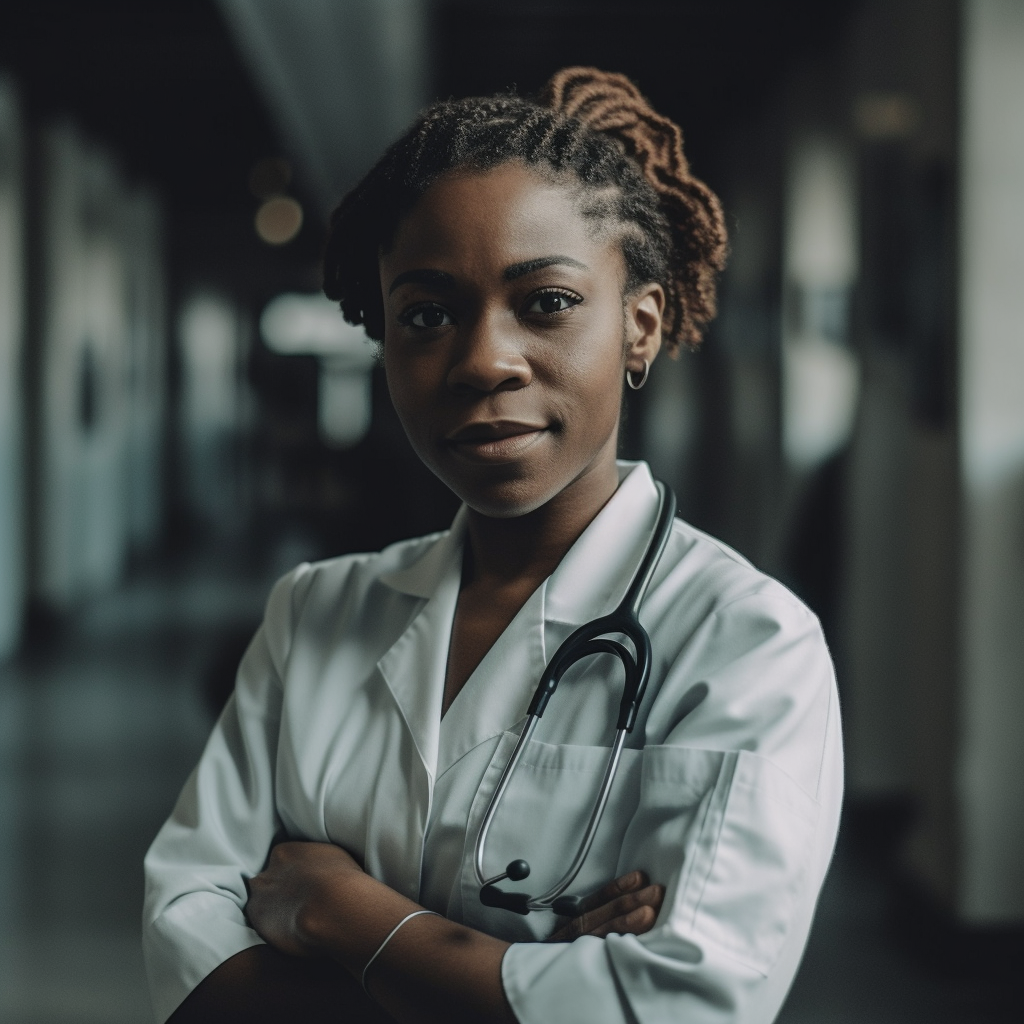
column 589, row 125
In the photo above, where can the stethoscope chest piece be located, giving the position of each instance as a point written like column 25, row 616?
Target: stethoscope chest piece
column 590, row 639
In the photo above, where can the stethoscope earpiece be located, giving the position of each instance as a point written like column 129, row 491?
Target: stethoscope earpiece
column 588, row 640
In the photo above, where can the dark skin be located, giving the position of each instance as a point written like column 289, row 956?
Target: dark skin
column 507, row 336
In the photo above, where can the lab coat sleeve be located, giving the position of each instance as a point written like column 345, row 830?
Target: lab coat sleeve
column 222, row 826
column 741, row 846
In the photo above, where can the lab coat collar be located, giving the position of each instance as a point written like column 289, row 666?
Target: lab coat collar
column 594, row 573
column 589, row 582
column 422, row 577
column 414, row 666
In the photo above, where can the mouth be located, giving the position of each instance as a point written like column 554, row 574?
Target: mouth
column 494, row 441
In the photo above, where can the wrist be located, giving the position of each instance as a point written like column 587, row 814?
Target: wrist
column 353, row 920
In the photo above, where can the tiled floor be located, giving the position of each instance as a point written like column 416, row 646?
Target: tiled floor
column 100, row 723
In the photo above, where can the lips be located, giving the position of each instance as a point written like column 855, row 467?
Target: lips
column 495, row 440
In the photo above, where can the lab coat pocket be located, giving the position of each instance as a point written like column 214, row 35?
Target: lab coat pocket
column 750, row 862
column 542, row 818
column 676, row 784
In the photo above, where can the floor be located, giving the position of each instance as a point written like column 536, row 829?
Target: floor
column 100, row 722
column 99, row 726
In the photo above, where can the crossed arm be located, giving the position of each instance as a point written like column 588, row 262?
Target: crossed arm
column 323, row 918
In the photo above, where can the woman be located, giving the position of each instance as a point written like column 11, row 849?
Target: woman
column 518, row 260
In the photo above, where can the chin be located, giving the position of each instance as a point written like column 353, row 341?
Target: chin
column 504, row 505
column 503, row 499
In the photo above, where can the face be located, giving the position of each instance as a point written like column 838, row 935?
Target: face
column 507, row 336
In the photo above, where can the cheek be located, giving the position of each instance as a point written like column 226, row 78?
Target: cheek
column 402, row 374
column 405, row 399
column 594, row 376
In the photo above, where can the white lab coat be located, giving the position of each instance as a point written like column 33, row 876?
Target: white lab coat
column 728, row 793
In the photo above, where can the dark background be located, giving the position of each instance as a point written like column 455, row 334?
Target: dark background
column 107, row 691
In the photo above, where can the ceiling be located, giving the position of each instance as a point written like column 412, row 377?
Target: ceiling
column 190, row 93
column 161, row 86
column 342, row 77
column 706, row 63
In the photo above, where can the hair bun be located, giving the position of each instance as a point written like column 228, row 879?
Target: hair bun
column 609, row 102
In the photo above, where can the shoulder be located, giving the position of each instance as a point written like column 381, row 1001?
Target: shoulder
column 746, row 664
column 342, row 588
column 364, row 568
column 709, row 577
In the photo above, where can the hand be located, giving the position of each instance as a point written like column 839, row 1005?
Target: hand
column 628, row 905
column 292, row 897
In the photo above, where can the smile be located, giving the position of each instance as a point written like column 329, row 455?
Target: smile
column 495, row 442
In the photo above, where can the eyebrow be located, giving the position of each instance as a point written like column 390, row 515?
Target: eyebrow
column 529, row 266
column 443, row 281
column 432, row 278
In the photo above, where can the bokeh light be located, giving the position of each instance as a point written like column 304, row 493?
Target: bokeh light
column 279, row 220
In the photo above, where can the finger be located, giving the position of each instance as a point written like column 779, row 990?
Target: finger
column 636, row 922
column 592, row 922
column 650, row 896
column 627, row 883
column 611, row 901
column 255, row 885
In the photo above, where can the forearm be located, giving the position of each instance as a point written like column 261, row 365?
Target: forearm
column 315, row 901
column 262, row 986
column 432, row 970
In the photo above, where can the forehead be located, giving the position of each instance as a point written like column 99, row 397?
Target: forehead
column 510, row 213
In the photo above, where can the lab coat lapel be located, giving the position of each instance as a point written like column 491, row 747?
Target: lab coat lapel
column 414, row 667
column 589, row 582
column 499, row 691
column 597, row 569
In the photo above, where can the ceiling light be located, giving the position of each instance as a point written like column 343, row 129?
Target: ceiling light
column 278, row 220
column 886, row 116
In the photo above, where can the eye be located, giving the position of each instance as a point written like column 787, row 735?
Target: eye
column 553, row 301
column 426, row 317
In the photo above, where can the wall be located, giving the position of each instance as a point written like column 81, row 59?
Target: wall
column 100, row 378
column 12, row 569
column 147, row 370
column 991, row 414
column 919, row 105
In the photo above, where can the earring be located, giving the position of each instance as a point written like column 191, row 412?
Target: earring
column 643, row 379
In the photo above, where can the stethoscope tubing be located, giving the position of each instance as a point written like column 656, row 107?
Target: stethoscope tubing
column 499, row 792
column 585, row 641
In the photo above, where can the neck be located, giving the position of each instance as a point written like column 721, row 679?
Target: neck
column 528, row 548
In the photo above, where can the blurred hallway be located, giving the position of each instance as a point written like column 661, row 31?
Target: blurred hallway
column 183, row 416
column 100, row 728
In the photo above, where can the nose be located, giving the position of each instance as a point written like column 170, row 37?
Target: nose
column 488, row 358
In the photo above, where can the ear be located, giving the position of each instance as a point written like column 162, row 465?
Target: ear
column 644, row 311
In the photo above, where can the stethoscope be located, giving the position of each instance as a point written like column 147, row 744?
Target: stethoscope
column 589, row 639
